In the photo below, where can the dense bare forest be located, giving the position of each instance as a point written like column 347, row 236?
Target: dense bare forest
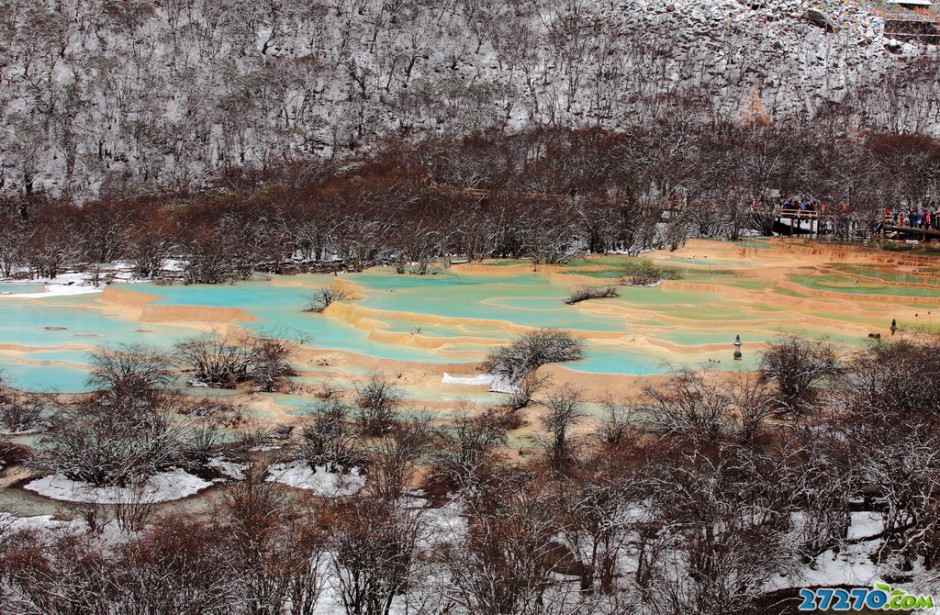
column 546, row 194
column 701, row 497
column 104, row 96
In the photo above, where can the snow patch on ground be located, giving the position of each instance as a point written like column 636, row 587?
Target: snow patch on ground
column 485, row 379
column 851, row 565
column 79, row 283
column 443, row 524
column 300, row 475
column 502, row 384
column 163, row 487
column 38, row 523
column 58, row 290
column 865, row 525
column 229, row 469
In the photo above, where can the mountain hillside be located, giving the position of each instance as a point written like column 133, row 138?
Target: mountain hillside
column 147, row 95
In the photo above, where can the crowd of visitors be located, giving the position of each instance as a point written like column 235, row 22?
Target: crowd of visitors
column 923, row 218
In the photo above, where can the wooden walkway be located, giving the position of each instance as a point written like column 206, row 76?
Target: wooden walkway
column 924, row 234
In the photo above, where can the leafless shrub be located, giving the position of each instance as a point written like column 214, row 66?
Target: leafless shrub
column 225, row 361
column 269, row 362
column 93, row 514
column 203, row 440
column 130, row 370
column 23, row 412
column 329, row 435
column 583, row 293
column 615, row 427
column 134, row 509
column 252, row 438
column 378, row 402
column 323, row 298
column 220, row 412
column 114, row 441
column 217, row 360
column 11, row 453
column 645, row 273
column 66, row 575
column 687, row 404
column 467, row 447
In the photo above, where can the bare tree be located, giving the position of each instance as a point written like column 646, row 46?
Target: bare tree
column 374, row 548
column 467, row 449
column 597, row 525
column 176, row 565
column 508, row 560
column 276, row 549
column 564, row 411
column 378, row 402
column 721, row 533
column 393, row 460
column 795, row 366
column 687, row 404
column 531, row 351
column 753, row 404
column 526, row 389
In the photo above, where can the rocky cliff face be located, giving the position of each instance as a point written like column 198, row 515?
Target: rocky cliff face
column 140, row 95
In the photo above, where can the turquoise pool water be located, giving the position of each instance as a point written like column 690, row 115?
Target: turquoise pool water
column 476, row 309
column 64, row 330
column 856, row 286
column 527, row 300
column 280, row 309
column 20, row 288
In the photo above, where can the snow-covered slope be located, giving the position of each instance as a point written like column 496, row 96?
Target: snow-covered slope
column 143, row 95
